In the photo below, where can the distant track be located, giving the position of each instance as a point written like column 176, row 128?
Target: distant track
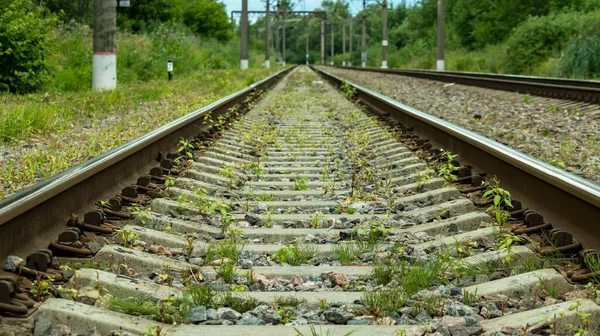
column 558, row 88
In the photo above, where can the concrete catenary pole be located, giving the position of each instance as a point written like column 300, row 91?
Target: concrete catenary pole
column 307, row 55
column 384, row 41
column 322, row 41
column 344, row 44
column 363, row 56
column 440, row 36
column 244, row 28
column 104, row 58
column 332, row 51
column 277, row 27
column 267, row 42
column 350, row 43
column 283, row 47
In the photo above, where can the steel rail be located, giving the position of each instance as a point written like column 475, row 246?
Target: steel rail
column 30, row 217
column 567, row 201
column 567, row 89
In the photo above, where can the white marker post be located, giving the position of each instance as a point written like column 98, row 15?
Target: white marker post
column 170, row 69
column 104, row 59
column 384, row 44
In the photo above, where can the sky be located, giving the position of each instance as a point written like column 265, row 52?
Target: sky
column 355, row 5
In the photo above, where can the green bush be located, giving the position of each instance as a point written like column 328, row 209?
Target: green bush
column 25, row 30
column 580, row 55
column 537, row 39
column 580, row 58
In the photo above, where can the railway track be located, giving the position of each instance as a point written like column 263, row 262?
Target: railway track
column 565, row 89
column 313, row 211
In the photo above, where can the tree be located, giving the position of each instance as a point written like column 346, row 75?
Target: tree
column 146, row 14
column 25, row 29
column 208, row 19
column 79, row 10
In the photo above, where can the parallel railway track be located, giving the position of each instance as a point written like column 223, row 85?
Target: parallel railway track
column 566, row 89
column 304, row 208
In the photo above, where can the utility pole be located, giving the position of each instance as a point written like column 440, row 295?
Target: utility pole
column 244, row 26
column 332, row 60
column 344, row 44
column 350, row 42
column 384, row 41
column 363, row 56
column 307, row 31
column 277, row 53
column 322, row 41
column 267, row 32
column 283, row 48
column 440, row 36
column 104, row 59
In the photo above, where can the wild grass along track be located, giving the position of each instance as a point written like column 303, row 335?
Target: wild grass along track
column 308, row 212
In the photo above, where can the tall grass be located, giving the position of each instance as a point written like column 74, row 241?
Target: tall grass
column 140, row 57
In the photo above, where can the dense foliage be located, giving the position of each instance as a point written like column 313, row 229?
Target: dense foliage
column 24, row 35
column 47, row 44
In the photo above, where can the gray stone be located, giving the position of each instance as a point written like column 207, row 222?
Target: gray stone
column 198, row 315
column 68, row 274
column 42, row 326
column 196, row 261
column 338, row 316
column 489, row 312
column 481, row 278
column 423, row 317
column 88, row 296
column 471, row 321
column 367, row 256
column 249, row 319
column 406, row 320
column 450, row 321
column 247, row 264
column 465, row 331
column 228, row 314
column 458, row 309
column 361, row 207
column 94, row 247
column 198, row 253
column 359, row 322
column 455, row 291
column 212, row 314
column 253, row 219
column 12, row 262
column 266, row 313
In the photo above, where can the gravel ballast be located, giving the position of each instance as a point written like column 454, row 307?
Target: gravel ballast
column 562, row 137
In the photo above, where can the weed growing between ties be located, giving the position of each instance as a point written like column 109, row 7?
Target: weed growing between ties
column 348, row 252
column 386, row 301
column 203, row 295
column 296, row 254
column 289, row 301
column 164, row 311
column 328, row 332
